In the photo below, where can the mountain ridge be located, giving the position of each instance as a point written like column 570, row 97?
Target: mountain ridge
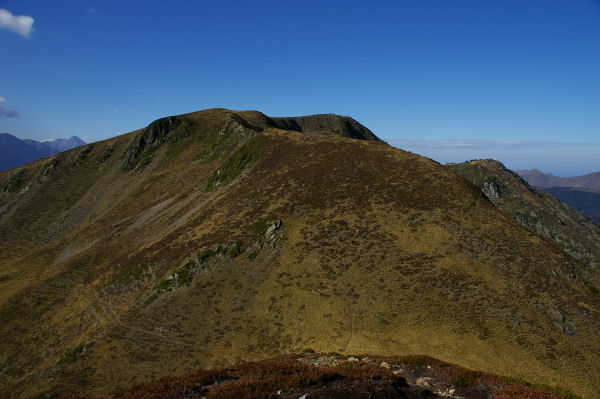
column 15, row 152
column 214, row 242
column 537, row 178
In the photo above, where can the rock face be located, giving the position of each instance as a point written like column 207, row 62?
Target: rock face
column 149, row 139
column 491, row 190
column 304, row 240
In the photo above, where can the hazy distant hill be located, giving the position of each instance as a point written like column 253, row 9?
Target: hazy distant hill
column 221, row 236
column 537, row 178
column 66, row 144
column 586, row 202
column 15, row 152
column 579, row 192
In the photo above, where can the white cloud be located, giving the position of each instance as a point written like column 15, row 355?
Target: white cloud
column 20, row 24
column 7, row 113
column 91, row 10
column 475, row 143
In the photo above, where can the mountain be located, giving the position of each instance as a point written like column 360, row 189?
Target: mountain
column 66, row 144
column 15, row 152
column 535, row 209
column 580, row 192
column 586, row 202
column 537, row 178
column 217, row 237
column 589, row 182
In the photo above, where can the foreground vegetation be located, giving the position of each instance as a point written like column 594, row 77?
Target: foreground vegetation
column 336, row 376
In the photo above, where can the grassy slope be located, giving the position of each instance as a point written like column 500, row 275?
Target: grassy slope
column 434, row 267
column 535, row 209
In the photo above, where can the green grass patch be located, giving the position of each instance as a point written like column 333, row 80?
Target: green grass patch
column 84, row 153
column 205, row 255
column 234, row 250
column 220, row 139
column 415, row 360
column 180, row 277
column 50, row 167
column 132, row 273
column 14, row 182
column 146, row 158
column 106, row 154
column 466, row 379
column 177, row 137
column 234, row 165
column 592, row 288
column 260, row 226
column 71, row 356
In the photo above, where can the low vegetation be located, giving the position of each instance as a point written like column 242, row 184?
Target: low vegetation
column 292, row 376
column 14, row 182
column 378, row 251
column 72, row 355
column 235, row 165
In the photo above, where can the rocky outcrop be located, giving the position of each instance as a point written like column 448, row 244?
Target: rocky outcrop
column 326, row 124
column 149, row 139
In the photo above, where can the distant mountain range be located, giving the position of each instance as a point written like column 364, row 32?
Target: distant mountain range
column 537, row 178
column 579, row 192
column 15, row 152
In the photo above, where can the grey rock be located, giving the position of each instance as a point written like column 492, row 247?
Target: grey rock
column 491, row 190
column 558, row 315
column 273, row 226
column 425, row 381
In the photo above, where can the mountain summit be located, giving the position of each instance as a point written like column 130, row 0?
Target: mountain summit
column 66, row 144
column 217, row 237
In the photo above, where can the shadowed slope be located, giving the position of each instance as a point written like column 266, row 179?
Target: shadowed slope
column 586, row 202
column 236, row 240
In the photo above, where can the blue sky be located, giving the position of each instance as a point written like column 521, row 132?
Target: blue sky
column 514, row 80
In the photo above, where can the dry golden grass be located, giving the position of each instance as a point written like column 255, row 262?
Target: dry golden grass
column 434, row 268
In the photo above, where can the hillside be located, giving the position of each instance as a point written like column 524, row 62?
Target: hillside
column 535, row 209
column 217, row 237
column 589, row 182
column 15, row 152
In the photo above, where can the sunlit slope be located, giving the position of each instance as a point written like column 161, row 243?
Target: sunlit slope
column 222, row 236
column 535, row 209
